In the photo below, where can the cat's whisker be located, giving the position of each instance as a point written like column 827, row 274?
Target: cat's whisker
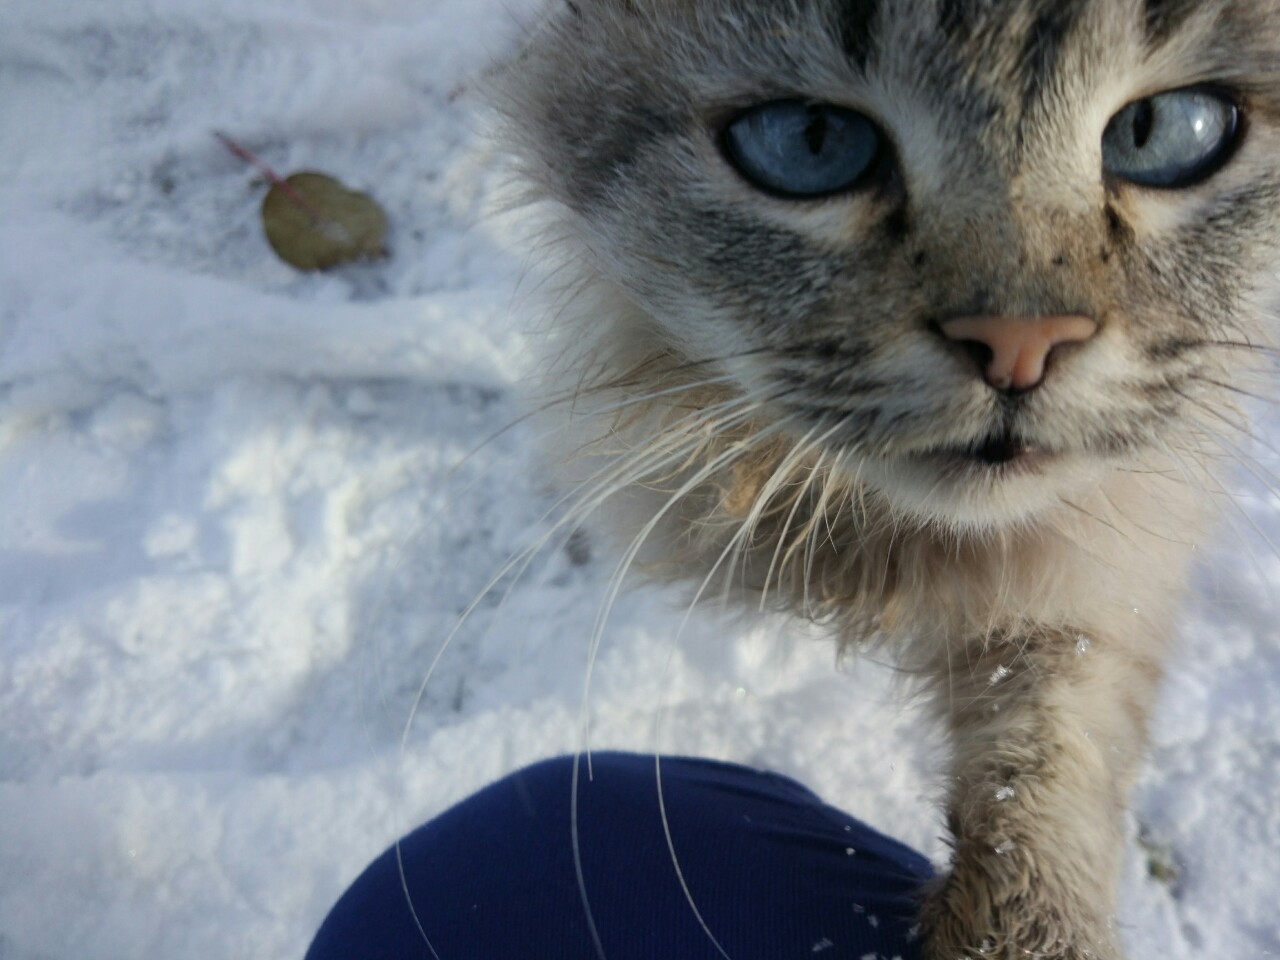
column 584, row 721
column 675, row 860
column 723, row 459
column 576, row 843
column 815, row 474
column 782, row 473
column 1095, row 518
column 1242, row 345
column 613, row 478
column 742, row 533
column 1263, row 477
column 1214, row 486
column 733, row 451
column 1268, row 480
column 1238, row 390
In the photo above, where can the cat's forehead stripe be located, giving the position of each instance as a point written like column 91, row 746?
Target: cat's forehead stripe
column 1049, row 31
column 858, row 23
column 961, row 21
column 1163, row 18
column 1017, row 44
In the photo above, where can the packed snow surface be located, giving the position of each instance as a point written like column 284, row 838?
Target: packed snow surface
column 239, row 512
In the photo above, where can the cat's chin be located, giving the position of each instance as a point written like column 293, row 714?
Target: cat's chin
column 989, row 488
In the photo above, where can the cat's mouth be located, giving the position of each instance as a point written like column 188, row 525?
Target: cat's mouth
column 999, row 450
column 1000, row 453
column 994, row 479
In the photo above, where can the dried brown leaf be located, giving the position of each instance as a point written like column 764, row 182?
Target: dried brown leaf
column 313, row 222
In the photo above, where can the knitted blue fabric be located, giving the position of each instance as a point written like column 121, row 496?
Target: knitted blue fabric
column 774, row 873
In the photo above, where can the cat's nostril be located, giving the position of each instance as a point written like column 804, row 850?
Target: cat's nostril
column 981, row 354
column 1012, row 352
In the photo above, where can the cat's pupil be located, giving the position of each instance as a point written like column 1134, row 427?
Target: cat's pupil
column 1144, row 115
column 815, row 133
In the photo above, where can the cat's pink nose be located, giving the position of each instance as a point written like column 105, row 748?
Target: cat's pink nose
column 1018, row 347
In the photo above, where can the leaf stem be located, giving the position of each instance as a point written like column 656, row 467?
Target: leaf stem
column 322, row 223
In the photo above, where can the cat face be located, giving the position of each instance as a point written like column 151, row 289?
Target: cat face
column 799, row 199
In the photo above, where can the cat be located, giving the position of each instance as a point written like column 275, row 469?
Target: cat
column 928, row 319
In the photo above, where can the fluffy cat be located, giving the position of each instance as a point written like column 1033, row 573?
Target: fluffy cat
column 925, row 318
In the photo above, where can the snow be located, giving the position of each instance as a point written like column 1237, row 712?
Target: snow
column 239, row 513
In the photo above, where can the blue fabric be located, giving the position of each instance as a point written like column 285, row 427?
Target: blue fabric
column 775, row 873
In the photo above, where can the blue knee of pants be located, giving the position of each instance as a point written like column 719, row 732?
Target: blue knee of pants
column 774, row 873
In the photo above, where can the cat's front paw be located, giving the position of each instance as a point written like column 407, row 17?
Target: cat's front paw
column 975, row 915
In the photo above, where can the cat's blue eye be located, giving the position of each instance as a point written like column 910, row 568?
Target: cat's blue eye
column 1171, row 140
column 803, row 150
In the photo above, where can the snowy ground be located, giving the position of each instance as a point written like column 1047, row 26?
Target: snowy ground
column 237, row 519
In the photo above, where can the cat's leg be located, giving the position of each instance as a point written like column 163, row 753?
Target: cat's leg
column 1047, row 731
